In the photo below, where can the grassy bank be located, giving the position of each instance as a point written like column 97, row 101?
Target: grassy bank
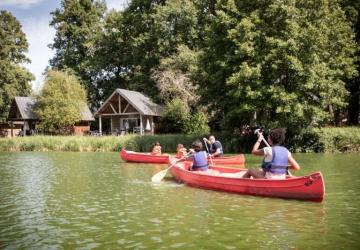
column 93, row 144
column 315, row 140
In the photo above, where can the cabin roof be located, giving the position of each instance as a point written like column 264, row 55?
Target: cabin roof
column 25, row 106
column 143, row 104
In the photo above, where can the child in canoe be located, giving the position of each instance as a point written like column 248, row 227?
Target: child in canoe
column 181, row 151
column 276, row 157
column 156, row 150
column 198, row 156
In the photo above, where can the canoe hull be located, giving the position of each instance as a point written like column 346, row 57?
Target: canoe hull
column 310, row 187
column 131, row 156
column 238, row 160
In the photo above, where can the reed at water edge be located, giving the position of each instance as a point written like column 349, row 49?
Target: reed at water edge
column 342, row 139
column 94, row 143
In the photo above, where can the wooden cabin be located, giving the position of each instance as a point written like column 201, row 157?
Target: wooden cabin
column 22, row 112
column 129, row 111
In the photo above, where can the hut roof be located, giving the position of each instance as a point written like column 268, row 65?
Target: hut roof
column 143, row 104
column 25, row 106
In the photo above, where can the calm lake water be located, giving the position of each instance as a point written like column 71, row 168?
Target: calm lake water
column 94, row 200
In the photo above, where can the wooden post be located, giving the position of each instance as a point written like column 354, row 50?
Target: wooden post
column 141, row 125
column 100, row 125
column 119, row 104
column 111, row 124
column 152, row 124
column 12, row 129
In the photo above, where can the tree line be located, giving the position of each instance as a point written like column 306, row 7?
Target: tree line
column 222, row 63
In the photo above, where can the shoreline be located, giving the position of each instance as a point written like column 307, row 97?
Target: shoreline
column 324, row 140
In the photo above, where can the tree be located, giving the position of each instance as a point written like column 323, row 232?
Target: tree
column 78, row 25
column 14, row 78
column 174, row 117
column 279, row 63
column 197, row 124
column 352, row 10
column 60, row 102
column 136, row 40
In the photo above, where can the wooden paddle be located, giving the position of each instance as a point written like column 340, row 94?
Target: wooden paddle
column 257, row 131
column 160, row 175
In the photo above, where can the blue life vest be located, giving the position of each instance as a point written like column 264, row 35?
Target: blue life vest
column 199, row 160
column 215, row 146
column 279, row 162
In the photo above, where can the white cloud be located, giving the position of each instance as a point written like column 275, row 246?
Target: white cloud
column 19, row 3
column 39, row 34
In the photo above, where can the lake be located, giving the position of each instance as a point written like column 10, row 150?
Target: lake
column 56, row 200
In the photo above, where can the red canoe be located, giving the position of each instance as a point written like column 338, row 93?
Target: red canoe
column 310, row 187
column 143, row 157
column 236, row 160
column 228, row 160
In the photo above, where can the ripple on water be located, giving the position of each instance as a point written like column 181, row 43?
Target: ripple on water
column 76, row 201
column 156, row 239
column 178, row 245
column 155, row 221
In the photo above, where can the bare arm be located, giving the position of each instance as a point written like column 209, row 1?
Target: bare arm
column 255, row 149
column 293, row 164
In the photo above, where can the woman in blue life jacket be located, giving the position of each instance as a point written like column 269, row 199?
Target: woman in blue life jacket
column 276, row 158
column 215, row 147
column 198, row 157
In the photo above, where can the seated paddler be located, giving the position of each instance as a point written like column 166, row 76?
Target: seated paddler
column 215, row 147
column 276, row 157
column 198, row 156
column 156, row 149
column 181, row 151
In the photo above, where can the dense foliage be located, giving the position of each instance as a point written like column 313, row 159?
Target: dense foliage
column 352, row 10
column 178, row 119
column 275, row 63
column 14, row 78
column 60, row 102
column 78, row 24
column 281, row 62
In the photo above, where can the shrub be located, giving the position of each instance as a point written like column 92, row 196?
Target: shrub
column 197, row 124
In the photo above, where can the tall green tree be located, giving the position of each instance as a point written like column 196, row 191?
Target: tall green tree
column 279, row 63
column 60, row 102
column 136, row 40
column 352, row 10
column 14, row 78
column 78, row 25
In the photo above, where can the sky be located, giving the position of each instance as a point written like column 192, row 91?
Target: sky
column 34, row 16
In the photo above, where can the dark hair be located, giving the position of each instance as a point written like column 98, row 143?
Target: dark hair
column 277, row 136
column 197, row 146
column 157, row 144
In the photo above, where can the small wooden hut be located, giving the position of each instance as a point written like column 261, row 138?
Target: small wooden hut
column 129, row 112
column 22, row 112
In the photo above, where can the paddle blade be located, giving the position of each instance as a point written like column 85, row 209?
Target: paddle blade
column 159, row 176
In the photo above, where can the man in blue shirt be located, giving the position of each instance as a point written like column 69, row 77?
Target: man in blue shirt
column 215, row 147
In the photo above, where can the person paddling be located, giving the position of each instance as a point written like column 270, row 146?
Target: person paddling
column 276, row 157
column 156, row 150
column 215, row 147
column 198, row 156
column 181, row 151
